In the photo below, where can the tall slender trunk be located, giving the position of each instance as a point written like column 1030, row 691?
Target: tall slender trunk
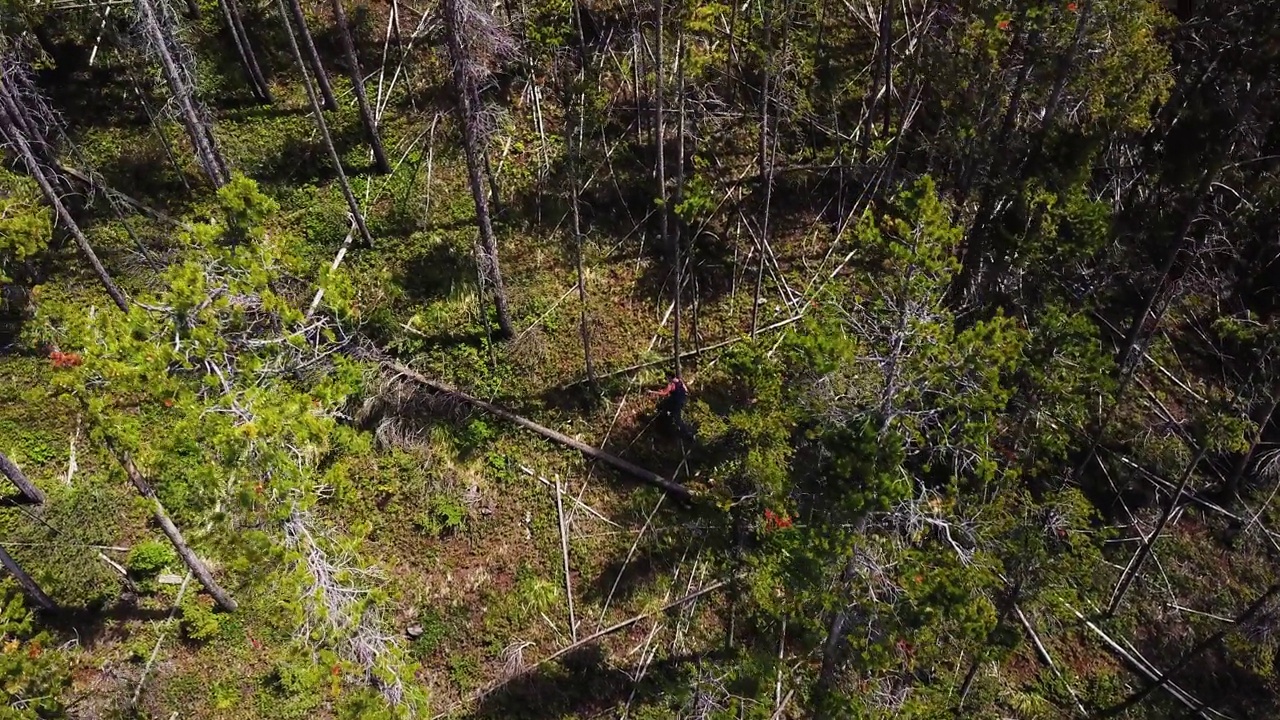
column 468, row 111
column 677, row 240
column 357, row 84
column 576, row 139
column 313, row 57
column 352, row 205
column 660, row 137
column 886, row 45
column 766, row 167
column 245, row 53
column 193, row 9
column 10, row 469
column 1144, row 551
column 254, row 68
column 192, row 561
column 161, row 38
column 9, row 110
column 29, row 586
column 164, row 139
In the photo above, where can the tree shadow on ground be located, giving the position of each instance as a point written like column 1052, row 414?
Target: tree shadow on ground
column 92, row 625
column 584, row 684
column 303, row 160
column 1213, row 678
column 436, row 273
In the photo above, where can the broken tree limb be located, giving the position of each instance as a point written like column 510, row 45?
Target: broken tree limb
column 591, row 452
column 688, row 353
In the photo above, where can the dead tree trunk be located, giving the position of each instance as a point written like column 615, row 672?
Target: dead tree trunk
column 318, row 113
column 766, row 176
column 1144, row 551
column 192, row 561
column 28, row 489
column 244, row 51
column 576, row 131
column 254, row 68
column 357, row 84
column 660, row 147
column 457, row 33
column 29, row 586
column 677, row 239
column 313, row 57
column 159, row 33
column 10, row 130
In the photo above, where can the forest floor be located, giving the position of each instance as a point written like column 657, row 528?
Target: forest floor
column 462, row 519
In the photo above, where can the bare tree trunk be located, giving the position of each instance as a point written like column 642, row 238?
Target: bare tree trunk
column 886, row 46
column 244, row 52
column 9, row 110
column 313, row 57
column 677, row 240
column 660, row 137
column 164, row 139
column 766, row 167
column 357, row 84
column 29, row 586
column 1144, row 551
column 254, row 68
column 160, row 37
column 192, row 561
column 352, row 205
column 976, row 245
column 468, row 111
column 577, row 132
column 28, row 489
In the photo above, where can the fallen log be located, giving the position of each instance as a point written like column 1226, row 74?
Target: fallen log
column 592, row 452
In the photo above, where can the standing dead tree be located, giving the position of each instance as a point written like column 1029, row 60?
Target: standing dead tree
column 244, row 50
column 318, row 113
column 28, row 489
column 473, row 38
column 156, row 23
column 171, row 531
column 357, row 85
column 11, row 131
column 313, row 57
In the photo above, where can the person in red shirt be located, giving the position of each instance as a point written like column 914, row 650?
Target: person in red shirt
column 674, row 397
